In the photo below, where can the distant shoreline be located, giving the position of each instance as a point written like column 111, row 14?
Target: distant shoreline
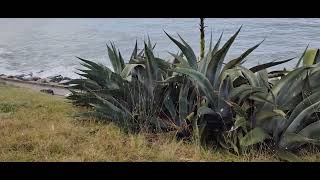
column 58, row 89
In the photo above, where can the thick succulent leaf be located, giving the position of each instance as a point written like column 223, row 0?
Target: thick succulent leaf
column 306, row 88
column 235, row 92
column 173, row 79
column 183, row 101
column 149, row 43
column 262, row 77
column 169, row 105
column 245, row 95
column 216, row 46
column 286, row 82
column 314, row 77
column 190, row 117
column 290, row 96
column 267, row 65
column 109, row 109
column 203, row 110
column 225, row 87
column 91, row 63
column 238, row 60
column 129, row 68
column 224, row 91
column 312, row 131
column 109, row 100
column 291, row 141
column 134, row 52
column 256, row 135
column 232, row 73
column 304, row 52
column 116, row 61
column 239, row 122
column 216, row 61
column 310, row 56
column 261, row 97
column 104, row 77
column 265, row 116
column 183, row 62
column 122, row 64
column 239, row 110
column 271, row 121
column 210, row 42
column 81, row 83
column 303, row 105
column 298, row 122
column 187, row 51
column 203, row 64
column 200, row 79
column 151, row 65
column 287, row 156
column 249, row 75
column 163, row 65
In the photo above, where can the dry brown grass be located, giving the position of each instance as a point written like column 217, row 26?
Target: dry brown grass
column 40, row 127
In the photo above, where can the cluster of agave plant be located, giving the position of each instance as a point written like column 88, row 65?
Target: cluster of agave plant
column 209, row 100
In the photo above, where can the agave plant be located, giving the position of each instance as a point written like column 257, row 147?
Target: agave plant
column 208, row 86
column 128, row 94
column 288, row 116
column 212, row 99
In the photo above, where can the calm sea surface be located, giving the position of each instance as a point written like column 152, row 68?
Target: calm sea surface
column 31, row 45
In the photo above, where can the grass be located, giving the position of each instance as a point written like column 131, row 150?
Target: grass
column 41, row 127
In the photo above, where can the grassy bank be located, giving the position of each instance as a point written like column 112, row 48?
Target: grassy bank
column 40, row 127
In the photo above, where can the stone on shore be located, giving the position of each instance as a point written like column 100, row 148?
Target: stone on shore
column 55, row 78
column 48, row 91
column 43, row 80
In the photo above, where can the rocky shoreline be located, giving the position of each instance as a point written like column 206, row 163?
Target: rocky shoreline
column 59, row 79
column 55, row 85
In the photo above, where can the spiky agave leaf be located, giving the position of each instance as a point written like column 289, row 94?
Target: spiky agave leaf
column 152, row 65
column 239, row 60
column 310, row 57
column 134, row 53
column 129, row 68
column 203, row 64
column 183, row 100
column 286, row 82
column 256, row 135
column 187, row 51
column 215, row 63
column 302, row 56
column 268, row 65
column 183, row 62
column 200, row 79
column 115, row 58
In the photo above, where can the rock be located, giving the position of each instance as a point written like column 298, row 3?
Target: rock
column 30, row 78
column 44, row 80
column 55, row 78
column 26, row 78
column 48, row 91
column 66, row 78
column 40, row 71
column 21, row 76
column 10, row 76
column 36, row 78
